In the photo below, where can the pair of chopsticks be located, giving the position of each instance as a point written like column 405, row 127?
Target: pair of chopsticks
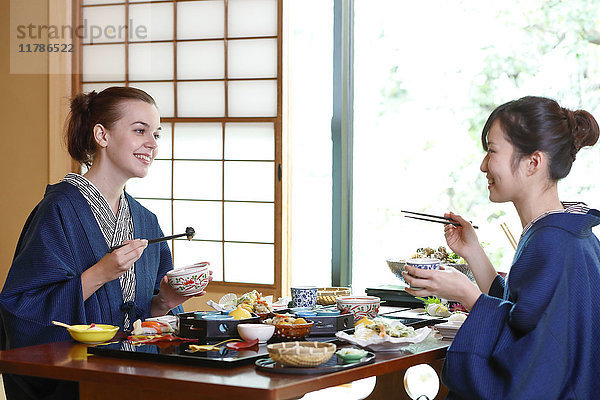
column 432, row 218
column 509, row 235
column 189, row 232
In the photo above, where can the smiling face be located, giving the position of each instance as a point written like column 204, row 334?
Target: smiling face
column 130, row 145
column 505, row 182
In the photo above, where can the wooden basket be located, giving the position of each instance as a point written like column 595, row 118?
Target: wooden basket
column 301, row 354
column 328, row 296
column 293, row 331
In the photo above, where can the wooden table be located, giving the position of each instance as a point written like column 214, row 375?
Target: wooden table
column 105, row 377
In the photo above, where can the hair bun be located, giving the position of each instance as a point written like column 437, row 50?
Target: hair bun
column 584, row 128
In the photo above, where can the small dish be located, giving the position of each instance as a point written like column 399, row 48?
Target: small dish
column 306, row 314
column 350, row 354
column 260, row 332
column 90, row 335
column 328, row 313
column 217, row 317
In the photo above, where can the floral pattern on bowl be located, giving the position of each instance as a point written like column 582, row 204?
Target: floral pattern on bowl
column 189, row 280
column 359, row 306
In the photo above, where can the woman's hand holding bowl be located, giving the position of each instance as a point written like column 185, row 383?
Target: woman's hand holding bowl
column 447, row 283
column 168, row 298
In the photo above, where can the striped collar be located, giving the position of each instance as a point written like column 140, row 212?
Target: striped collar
column 572, row 207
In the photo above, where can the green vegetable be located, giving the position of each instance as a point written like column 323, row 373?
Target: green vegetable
column 430, row 300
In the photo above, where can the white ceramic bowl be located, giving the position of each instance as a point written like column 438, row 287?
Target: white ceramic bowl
column 189, row 280
column 262, row 332
column 360, row 306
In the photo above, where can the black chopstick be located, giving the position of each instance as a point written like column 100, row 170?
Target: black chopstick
column 438, row 219
column 189, row 232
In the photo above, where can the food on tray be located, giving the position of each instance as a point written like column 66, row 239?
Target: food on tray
column 350, row 354
column 153, row 339
column 437, row 310
column 440, row 308
column 256, row 301
column 285, row 319
column 458, row 316
column 192, row 348
column 351, row 351
column 240, row 313
column 252, row 301
column 364, row 320
column 441, row 254
column 383, row 327
column 150, row 327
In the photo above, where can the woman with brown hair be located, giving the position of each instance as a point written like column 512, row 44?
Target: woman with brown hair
column 63, row 269
column 534, row 335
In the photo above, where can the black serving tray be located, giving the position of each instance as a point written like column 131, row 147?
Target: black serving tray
column 175, row 352
column 330, row 324
column 205, row 330
column 416, row 323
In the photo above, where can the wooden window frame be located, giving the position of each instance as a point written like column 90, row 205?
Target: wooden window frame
column 68, row 83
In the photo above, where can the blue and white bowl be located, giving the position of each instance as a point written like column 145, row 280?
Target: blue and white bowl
column 424, row 263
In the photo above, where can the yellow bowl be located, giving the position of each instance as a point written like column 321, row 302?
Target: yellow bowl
column 82, row 334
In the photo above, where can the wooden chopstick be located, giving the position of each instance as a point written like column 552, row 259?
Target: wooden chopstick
column 438, row 219
column 509, row 235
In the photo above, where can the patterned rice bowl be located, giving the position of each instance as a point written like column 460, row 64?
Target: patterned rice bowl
column 360, row 306
column 189, row 280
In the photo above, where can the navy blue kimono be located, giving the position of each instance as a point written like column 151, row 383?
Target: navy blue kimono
column 60, row 240
column 536, row 336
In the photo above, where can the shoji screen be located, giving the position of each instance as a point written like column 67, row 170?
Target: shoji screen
column 214, row 68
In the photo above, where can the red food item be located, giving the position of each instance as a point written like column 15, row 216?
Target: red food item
column 152, row 324
column 160, row 339
column 241, row 345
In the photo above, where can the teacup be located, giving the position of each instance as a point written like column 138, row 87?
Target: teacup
column 304, row 296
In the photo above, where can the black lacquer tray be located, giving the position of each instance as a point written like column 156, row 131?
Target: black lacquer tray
column 176, row 352
column 194, row 327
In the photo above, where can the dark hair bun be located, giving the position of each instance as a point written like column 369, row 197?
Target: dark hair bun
column 80, row 121
column 584, row 129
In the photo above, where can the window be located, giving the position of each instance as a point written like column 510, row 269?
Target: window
column 427, row 75
column 214, row 68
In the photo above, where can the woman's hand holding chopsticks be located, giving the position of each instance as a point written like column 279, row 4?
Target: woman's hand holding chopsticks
column 461, row 239
column 112, row 266
column 464, row 241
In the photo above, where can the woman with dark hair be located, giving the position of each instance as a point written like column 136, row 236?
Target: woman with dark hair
column 536, row 334
column 62, row 269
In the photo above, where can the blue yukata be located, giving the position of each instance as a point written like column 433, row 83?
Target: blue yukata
column 60, row 240
column 537, row 335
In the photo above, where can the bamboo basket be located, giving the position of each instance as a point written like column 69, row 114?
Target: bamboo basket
column 328, row 296
column 301, row 354
column 293, row 331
